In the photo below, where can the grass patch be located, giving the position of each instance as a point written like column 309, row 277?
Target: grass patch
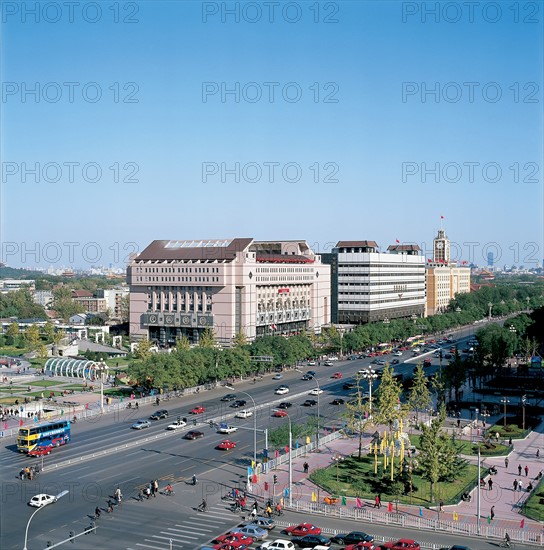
column 465, row 447
column 13, row 351
column 512, row 430
column 356, row 478
column 118, row 392
column 45, row 383
column 534, row 507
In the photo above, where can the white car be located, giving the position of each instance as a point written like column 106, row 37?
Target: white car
column 42, row 500
column 416, row 350
column 316, row 391
column 224, row 429
column 176, row 425
column 245, row 413
column 282, row 390
column 311, row 363
column 333, row 358
column 398, row 353
column 278, row 544
column 141, row 424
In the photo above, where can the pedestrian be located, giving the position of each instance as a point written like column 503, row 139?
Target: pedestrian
column 506, row 462
column 510, row 441
column 140, row 495
column 520, row 485
column 253, row 513
column 519, row 469
column 492, row 512
column 441, row 506
column 538, row 453
column 269, row 511
column 458, row 422
column 515, row 485
column 497, row 435
column 155, row 488
column 377, row 502
column 306, row 467
column 490, row 484
column 526, row 470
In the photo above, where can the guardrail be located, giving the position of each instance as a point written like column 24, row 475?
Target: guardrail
column 416, row 522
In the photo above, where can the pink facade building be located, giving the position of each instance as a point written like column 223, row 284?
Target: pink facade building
column 232, row 286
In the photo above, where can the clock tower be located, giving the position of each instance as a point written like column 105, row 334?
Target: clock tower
column 441, row 248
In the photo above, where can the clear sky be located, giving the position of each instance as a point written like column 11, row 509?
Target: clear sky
column 322, row 121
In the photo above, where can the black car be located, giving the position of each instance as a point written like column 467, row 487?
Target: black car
column 193, row 434
column 349, row 385
column 337, row 401
column 229, row 397
column 309, row 403
column 352, row 538
column 310, row 541
column 307, row 377
column 311, row 373
column 395, row 362
column 239, row 403
column 285, row 405
column 157, row 415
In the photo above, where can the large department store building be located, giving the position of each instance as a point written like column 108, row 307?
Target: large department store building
column 231, row 286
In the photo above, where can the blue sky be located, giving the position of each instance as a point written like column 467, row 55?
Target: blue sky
column 348, row 154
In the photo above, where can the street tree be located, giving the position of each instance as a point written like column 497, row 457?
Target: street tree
column 240, row 339
column 12, row 332
column 357, row 413
column 143, row 349
column 207, row 339
column 32, row 336
column 455, row 375
column 420, row 396
column 49, row 331
column 388, row 399
column 438, row 458
column 183, row 343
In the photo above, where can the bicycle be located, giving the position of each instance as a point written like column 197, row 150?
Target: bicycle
column 506, row 544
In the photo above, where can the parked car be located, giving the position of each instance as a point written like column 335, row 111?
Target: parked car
column 226, row 429
column 311, row 541
column 260, row 521
column 333, row 358
column 278, row 544
column 302, row 529
column 245, row 413
column 41, row 451
column 157, row 415
column 226, row 445
column 282, row 390
column 352, row 538
column 285, row 405
column 253, row 531
column 141, row 424
column 197, row 410
column 401, row 544
column 229, row 397
column 328, row 363
column 42, row 500
column 239, row 403
column 193, row 434
column 176, row 425
column 311, row 363
column 309, row 403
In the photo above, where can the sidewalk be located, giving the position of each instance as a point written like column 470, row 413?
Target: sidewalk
column 506, row 502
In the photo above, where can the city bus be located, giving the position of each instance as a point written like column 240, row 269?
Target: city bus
column 384, row 348
column 415, row 341
column 43, row 435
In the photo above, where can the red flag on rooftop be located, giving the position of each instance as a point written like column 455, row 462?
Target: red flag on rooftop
column 398, row 242
column 429, row 260
column 441, row 217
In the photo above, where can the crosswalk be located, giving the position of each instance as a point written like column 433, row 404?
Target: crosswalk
column 190, row 533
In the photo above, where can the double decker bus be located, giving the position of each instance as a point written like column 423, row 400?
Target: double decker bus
column 43, row 435
column 384, row 348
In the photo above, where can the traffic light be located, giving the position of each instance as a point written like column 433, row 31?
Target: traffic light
column 49, row 544
column 72, row 535
column 179, row 419
column 194, row 421
column 211, row 423
column 275, row 479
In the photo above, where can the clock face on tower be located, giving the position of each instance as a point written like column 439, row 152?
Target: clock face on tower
column 439, row 245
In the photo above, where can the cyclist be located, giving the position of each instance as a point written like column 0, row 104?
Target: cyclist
column 194, row 479
column 169, row 490
column 97, row 512
column 278, row 509
column 507, row 540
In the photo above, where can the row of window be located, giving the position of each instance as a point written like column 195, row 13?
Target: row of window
column 177, row 270
column 179, row 279
column 399, row 265
column 290, row 278
column 284, row 269
column 359, row 273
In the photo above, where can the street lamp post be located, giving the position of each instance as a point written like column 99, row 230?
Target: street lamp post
column 504, row 401
column 490, row 306
column 254, row 423
column 290, row 462
column 337, row 458
column 100, row 369
column 370, row 375
column 523, row 403
column 61, row 494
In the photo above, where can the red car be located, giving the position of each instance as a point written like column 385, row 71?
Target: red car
column 197, row 410
column 40, row 451
column 401, row 544
column 236, row 545
column 303, row 529
column 233, row 539
column 279, row 413
column 337, row 375
column 361, row 546
column 226, row 445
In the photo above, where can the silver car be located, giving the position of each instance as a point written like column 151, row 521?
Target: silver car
column 253, row 531
column 141, row 424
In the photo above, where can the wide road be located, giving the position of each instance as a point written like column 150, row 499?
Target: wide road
column 164, row 456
